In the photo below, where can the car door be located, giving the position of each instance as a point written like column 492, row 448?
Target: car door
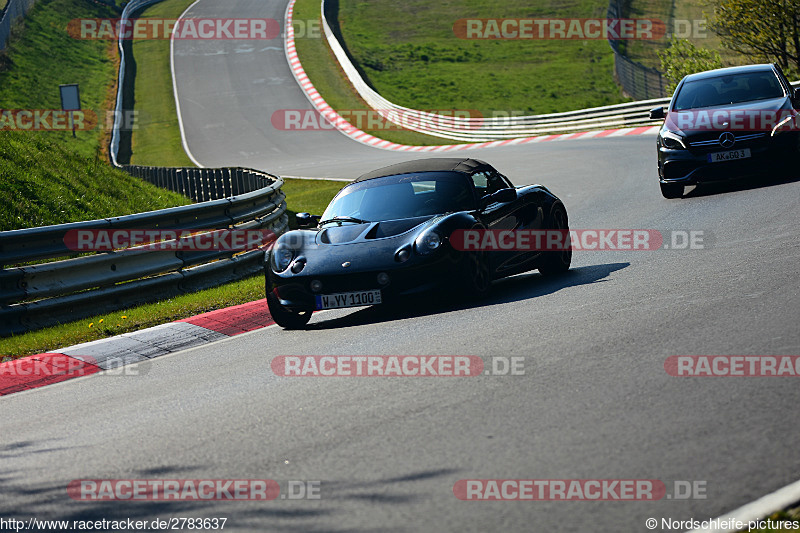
column 500, row 216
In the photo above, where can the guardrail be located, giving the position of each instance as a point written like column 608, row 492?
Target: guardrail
column 493, row 128
column 39, row 295
column 130, row 7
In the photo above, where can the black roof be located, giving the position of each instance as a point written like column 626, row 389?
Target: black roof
column 433, row 164
column 764, row 67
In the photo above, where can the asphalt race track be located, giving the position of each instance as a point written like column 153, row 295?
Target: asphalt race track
column 595, row 401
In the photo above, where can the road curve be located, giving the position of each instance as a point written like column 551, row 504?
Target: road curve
column 595, row 401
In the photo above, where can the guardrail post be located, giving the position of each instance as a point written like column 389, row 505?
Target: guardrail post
column 204, row 185
column 226, row 182
column 219, row 189
column 239, row 181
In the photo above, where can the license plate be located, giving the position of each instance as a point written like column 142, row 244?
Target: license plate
column 348, row 299
column 733, row 155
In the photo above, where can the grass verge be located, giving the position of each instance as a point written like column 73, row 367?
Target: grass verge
column 157, row 138
column 302, row 195
column 410, row 54
column 45, row 183
column 133, row 319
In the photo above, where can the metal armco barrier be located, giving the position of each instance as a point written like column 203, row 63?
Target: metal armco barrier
column 492, row 128
column 39, row 295
column 130, row 7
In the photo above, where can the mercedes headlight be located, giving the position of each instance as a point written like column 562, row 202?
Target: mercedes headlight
column 788, row 123
column 672, row 140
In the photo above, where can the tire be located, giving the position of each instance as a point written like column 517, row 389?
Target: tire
column 475, row 278
column 671, row 190
column 557, row 262
column 284, row 317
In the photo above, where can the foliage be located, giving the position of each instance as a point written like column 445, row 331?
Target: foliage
column 682, row 58
column 764, row 30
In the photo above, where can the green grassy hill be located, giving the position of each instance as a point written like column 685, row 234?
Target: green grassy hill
column 42, row 182
column 411, row 55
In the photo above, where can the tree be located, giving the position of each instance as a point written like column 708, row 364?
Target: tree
column 682, row 58
column 768, row 30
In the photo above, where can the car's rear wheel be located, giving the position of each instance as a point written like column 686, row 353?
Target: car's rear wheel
column 557, row 261
column 286, row 318
column 671, row 190
column 475, row 276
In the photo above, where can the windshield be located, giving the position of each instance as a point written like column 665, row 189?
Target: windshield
column 402, row 196
column 730, row 89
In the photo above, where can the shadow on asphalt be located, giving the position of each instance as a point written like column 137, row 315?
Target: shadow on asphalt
column 739, row 184
column 52, row 502
column 516, row 288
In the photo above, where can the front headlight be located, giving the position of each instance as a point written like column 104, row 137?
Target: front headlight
column 672, row 140
column 282, row 258
column 428, row 242
column 789, row 123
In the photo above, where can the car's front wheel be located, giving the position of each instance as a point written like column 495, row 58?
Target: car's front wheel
column 286, row 318
column 558, row 261
column 671, row 190
column 476, row 278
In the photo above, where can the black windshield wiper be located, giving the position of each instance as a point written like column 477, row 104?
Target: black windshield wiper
column 344, row 219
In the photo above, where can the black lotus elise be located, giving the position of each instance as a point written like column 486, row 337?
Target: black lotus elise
column 386, row 235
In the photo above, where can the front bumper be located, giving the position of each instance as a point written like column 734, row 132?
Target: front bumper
column 691, row 166
column 420, row 274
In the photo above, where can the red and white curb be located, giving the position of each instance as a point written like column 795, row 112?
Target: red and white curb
column 129, row 348
column 365, row 138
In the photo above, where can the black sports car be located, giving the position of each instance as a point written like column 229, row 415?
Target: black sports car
column 387, row 235
column 727, row 123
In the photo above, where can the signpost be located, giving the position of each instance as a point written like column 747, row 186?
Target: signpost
column 70, row 101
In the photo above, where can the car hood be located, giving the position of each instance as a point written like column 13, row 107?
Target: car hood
column 363, row 247
column 351, row 233
column 745, row 116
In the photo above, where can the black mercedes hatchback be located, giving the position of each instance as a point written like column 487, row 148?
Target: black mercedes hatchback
column 727, row 123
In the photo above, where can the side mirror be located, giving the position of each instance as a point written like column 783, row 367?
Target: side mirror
column 796, row 93
column 657, row 113
column 502, row 196
column 305, row 220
